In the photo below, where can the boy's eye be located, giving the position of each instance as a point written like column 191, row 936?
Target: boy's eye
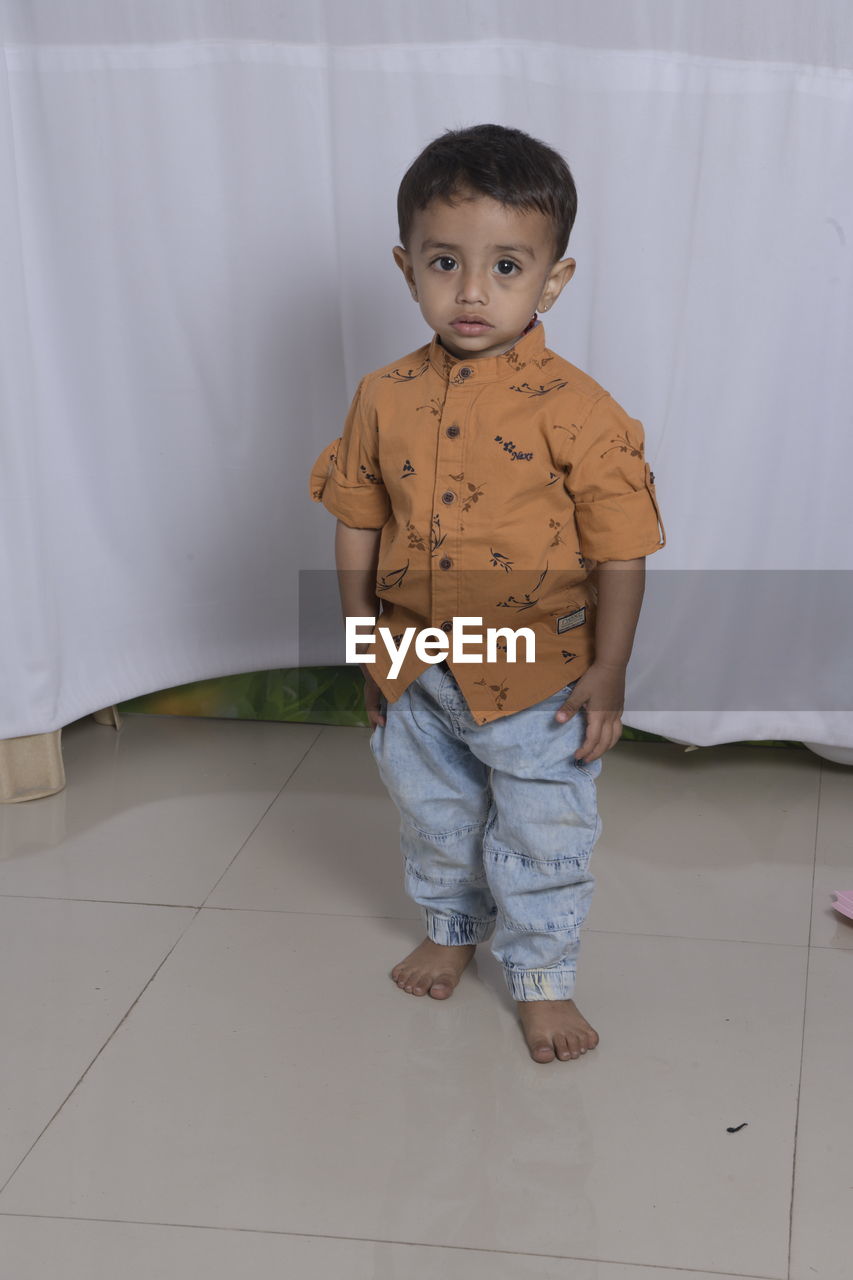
column 445, row 263
column 506, row 268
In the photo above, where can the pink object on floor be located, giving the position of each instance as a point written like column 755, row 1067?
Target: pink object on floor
column 844, row 903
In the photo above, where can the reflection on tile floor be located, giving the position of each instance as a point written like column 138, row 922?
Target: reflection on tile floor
column 208, row 1070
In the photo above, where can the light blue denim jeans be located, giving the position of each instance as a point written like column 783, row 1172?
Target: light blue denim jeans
column 498, row 822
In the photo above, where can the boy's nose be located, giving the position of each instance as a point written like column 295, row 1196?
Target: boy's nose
column 472, row 289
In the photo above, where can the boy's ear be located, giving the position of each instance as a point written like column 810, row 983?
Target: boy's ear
column 558, row 277
column 404, row 262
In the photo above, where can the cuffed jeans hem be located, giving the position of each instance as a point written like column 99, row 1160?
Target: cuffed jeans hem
column 540, row 984
column 456, row 931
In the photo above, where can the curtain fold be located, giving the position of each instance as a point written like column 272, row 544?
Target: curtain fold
column 195, row 260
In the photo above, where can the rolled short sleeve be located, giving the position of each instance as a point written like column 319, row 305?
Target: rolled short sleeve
column 347, row 478
column 612, row 487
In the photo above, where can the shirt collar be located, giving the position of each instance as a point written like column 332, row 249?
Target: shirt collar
column 529, row 346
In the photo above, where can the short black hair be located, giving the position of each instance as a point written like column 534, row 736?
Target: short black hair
column 491, row 160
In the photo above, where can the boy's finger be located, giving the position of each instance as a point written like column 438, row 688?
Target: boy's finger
column 599, row 748
column 591, row 739
column 608, row 736
column 373, row 706
column 567, row 710
column 592, row 745
column 374, row 713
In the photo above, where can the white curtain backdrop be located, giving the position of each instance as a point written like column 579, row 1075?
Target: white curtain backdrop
column 197, row 209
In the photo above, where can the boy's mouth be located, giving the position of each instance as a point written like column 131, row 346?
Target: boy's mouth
column 470, row 326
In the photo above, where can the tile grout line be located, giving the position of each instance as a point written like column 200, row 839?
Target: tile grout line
column 196, row 912
column 109, row 1038
column 100, row 902
column 805, row 1015
column 359, row 915
column 191, row 906
column 404, row 1244
column 274, row 800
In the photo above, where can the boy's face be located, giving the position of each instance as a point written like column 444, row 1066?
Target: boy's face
column 479, row 270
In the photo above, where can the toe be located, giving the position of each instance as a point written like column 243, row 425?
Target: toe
column 542, row 1052
column 441, row 987
column 563, row 1048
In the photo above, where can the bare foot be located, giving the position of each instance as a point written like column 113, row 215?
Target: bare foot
column 432, row 968
column 555, row 1027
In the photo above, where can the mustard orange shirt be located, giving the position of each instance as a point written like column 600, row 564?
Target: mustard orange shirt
column 497, row 483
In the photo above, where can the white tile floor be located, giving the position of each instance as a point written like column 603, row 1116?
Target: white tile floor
column 207, row 1072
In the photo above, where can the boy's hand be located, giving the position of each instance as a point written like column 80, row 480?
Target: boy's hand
column 372, row 695
column 601, row 690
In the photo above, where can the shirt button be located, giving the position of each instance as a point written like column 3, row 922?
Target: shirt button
column 453, row 432
column 447, row 626
column 465, row 372
column 445, row 562
column 448, row 497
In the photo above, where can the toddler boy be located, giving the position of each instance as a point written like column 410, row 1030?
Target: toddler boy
column 484, row 477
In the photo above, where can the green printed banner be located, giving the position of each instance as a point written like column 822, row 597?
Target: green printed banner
column 307, row 695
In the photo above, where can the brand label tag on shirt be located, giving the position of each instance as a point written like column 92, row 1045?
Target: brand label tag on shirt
column 569, row 621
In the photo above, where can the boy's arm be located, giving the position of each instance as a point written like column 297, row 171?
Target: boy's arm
column 601, row 689
column 356, row 558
